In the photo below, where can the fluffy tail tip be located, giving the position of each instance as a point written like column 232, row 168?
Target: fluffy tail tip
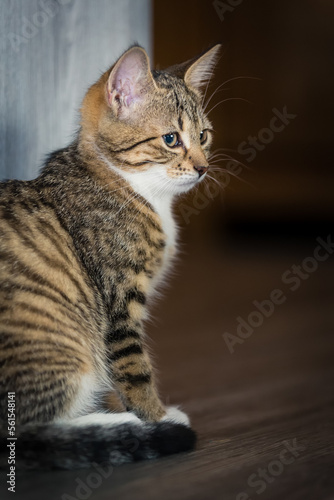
column 170, row 438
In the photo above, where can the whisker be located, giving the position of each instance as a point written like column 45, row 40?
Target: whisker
column 224, row 149
column 219, row 169
column 230, row 99
column 228, row 81
column 231, row 158
column 211, row 178
column 208, row 83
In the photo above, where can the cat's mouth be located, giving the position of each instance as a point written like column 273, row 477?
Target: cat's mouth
column 190, row 182
column 194, row 180
column 184, row 185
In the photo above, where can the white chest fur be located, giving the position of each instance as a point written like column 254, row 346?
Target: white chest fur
column 163, row 207
column 162, row 202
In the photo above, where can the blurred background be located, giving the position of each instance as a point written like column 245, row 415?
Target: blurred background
column 286, row 185
column 275, row 56
column 272, row 111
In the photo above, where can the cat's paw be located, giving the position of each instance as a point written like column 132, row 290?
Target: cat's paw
column 173, row 414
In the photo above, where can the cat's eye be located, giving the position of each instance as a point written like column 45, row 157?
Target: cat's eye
column 171, row 140
column 203, row 136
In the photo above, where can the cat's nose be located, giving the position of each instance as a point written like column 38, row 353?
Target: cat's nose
column 201, row 170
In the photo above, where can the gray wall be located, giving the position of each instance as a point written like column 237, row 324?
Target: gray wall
column 50, row 52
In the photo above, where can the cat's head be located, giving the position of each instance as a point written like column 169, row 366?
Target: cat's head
column 150, row 125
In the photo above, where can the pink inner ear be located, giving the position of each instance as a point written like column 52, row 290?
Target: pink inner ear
column 125, row 83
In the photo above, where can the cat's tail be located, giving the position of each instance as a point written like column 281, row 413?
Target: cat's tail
column 97, row 439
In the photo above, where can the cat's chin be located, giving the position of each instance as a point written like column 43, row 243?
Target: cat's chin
column 184, row 186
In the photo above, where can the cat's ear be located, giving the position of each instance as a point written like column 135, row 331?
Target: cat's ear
column 200, row 72
column 196, row 72
column 129, row 82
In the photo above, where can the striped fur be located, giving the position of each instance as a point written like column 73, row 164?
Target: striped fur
column 82, row 250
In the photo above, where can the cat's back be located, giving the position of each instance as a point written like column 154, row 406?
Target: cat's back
column 32, row 239
column 44, row 292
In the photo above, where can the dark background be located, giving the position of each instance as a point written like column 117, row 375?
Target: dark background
column 287, row 190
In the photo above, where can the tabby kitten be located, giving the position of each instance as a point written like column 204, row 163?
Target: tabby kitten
column 82, row 250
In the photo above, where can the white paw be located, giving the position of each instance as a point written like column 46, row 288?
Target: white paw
column 105, row 419
column 175, row 415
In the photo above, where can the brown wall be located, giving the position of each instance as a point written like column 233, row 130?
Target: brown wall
column 288, row 46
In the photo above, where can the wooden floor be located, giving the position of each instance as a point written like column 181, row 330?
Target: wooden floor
column 264, row 414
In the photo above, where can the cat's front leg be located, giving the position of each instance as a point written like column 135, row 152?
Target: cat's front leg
column 132, row 372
